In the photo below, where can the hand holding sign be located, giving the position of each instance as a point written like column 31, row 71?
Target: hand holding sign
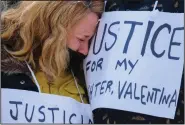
column 135, row 62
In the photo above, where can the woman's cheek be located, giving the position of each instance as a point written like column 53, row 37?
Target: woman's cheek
column 76, row 45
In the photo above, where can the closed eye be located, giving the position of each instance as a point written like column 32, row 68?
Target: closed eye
column 80, row 39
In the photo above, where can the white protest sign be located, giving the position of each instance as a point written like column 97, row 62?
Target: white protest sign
column 135, row 62
column 20, row 106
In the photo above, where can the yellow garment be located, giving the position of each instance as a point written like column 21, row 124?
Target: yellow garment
column 64, row 86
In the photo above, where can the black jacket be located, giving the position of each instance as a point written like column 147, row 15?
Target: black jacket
column 17, row 81
column 174, row 6
column 105, row 115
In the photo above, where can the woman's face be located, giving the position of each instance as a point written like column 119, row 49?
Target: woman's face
column 81, row 33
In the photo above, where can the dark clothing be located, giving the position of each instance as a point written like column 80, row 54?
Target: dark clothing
column 174, row 6
column 105, row 115
column 17, row 81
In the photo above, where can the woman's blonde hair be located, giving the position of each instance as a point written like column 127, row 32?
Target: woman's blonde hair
column 36, row 31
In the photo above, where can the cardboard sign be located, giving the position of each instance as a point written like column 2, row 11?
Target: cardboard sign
column 135, row 62
column 20, row 106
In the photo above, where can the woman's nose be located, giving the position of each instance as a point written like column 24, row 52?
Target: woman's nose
column 84, row 49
